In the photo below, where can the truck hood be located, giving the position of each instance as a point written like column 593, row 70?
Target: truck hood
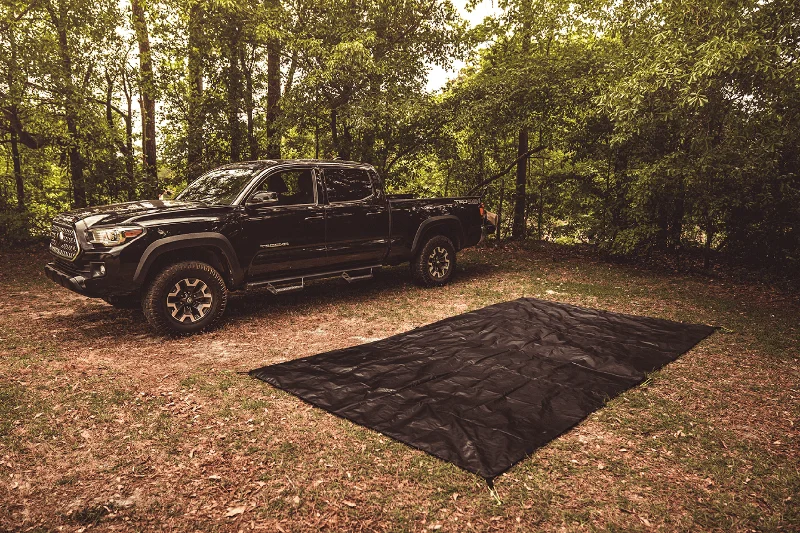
column 141, row 212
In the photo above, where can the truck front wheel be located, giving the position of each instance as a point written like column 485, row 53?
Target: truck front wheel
column 434, row 264
column 185, row 297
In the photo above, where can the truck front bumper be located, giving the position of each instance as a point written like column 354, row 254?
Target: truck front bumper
column 76, row 283
column 82, row 282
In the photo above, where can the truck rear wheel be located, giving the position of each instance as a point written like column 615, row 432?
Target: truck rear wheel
column 434, row 264
column 185, row 297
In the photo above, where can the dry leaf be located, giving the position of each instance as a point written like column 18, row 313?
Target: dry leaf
column 349, row 504
column 235, row 511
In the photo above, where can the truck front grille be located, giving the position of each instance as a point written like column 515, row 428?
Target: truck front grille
column 63, row 241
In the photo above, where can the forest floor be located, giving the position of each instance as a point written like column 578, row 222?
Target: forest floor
column 104, row 426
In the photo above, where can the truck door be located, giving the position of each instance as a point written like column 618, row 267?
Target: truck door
column 286, row 236
column 357, row 218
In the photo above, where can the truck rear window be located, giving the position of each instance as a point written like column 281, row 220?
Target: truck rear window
column 347, row 184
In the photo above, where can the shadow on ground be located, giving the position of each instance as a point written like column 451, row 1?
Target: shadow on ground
column 95, row 320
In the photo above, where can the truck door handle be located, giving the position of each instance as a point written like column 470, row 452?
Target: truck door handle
column 319, row 217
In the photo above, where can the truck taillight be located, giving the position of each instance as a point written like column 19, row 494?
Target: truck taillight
column 482, row 210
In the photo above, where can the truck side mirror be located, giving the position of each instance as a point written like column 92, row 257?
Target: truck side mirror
column 262, row 198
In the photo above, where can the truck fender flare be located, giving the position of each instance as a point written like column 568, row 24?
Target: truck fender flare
column 427, row 223
column 189, row 240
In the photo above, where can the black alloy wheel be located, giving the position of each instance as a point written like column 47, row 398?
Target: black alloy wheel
column 435, row 263
column 186, row 297
column 190, row 300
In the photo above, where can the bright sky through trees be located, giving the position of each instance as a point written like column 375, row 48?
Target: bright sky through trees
column 437, row 76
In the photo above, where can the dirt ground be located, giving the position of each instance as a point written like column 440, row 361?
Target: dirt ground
column 104, row 426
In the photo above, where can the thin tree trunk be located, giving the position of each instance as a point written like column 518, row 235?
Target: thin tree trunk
column 335, row 129
column 234, row 94
column 249, row 107
column 75, row 164
column 347, row 142
column 109, row 103
column 113, row 186
column 148, row 100
column 518, row 231
column 519, row 226
column 368, row 140
column 273, row 97
column 540, row 211
column 500, row 210
column 129, row 162
column 196, row 118
column 15, row 155
column 17, row 162
column 291, row 73
column 707, row 246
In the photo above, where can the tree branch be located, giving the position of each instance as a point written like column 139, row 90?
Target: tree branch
column 505, row 171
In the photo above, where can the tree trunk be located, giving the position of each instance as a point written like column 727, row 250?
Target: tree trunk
column 249, row 106
column 368, row 140
column 109, row 102
column 707, row 245
column 196, row 118
column 518, row 231
column 335, row 128
column 17, row 161
column 234, row 82
column 341, row 141
column 346, row 150
column 15, row 155
column 273, row 98
column 70, row 108
column 500, row 210
column 148, row 99
column 75, row 164
column 129, row 163
column 114, row 183
column 519, row 226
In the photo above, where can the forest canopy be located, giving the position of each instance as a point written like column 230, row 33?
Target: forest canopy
column 637, row 126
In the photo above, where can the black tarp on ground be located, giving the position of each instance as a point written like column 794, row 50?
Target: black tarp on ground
column 486, row 388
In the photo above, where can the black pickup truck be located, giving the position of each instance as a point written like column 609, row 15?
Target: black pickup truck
column 272, row 224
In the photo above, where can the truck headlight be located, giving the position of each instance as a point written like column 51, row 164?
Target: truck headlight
column 114, row 236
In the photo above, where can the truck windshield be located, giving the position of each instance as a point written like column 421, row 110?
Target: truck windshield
column 220, row 187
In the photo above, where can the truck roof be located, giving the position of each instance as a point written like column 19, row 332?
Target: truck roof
column 265, row 163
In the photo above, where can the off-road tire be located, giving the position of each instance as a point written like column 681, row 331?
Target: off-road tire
column 127, row 301
column 435, row 263
column 169, row 291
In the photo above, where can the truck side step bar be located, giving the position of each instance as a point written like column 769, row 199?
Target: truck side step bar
column 278, row 286
column 285, row 288
column 350, row 278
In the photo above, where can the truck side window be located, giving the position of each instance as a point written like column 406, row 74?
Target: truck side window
column 347, row 184
column 294, row 187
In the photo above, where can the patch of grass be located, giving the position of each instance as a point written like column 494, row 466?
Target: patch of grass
column 89, row 515
column 13, row 408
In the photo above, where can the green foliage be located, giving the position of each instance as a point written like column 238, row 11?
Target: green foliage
column 657, row 126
